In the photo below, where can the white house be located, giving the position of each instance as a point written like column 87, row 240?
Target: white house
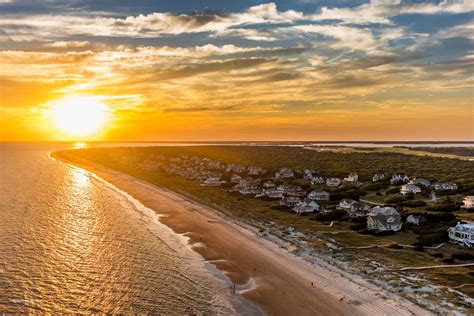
column 383, row 219
column 268, row 185
column 378, row 177
column 306, row 206
column 352, row 177
column 358, row 209
column 273, row 193
column 445, row 186
column 256, row 171
column 308, row 173
column 317, row 180
column 399, row 177
column 333, row 182
column 468, row 202
column 319, row 195
column 248, row 186
column 409, row 188
column 212, row 182
column 345, row 204
column 235, row 178
column 414, row 219
column 462, row 234
column 290, row 201
column 285, row 173
column 232, row 167
column 421, row 181
column 294, row 190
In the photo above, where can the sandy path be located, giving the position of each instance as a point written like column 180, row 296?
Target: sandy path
column 282, row 281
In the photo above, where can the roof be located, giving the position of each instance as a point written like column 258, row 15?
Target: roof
column 383, row 210
column 467, row 227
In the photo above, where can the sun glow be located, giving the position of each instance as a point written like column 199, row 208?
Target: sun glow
column 79, row 115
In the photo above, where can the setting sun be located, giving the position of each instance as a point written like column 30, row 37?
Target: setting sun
column 79, row 115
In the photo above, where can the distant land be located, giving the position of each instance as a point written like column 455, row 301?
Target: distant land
column 318, row 202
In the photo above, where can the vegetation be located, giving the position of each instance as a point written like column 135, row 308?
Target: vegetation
column 458, row 151
column 326, row 163
column 436, row 217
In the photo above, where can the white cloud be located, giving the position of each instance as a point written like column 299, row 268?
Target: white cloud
column 161, row 23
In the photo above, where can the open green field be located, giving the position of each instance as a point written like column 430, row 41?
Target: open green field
column 260, row 213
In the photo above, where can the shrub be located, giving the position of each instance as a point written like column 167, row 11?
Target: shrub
column 419, row 248
column 429, row 239
column 443, row 206
column 280, row 207
column 393, row 191
column 358, row 226
column 439, row 218
column 437, row 255
column 416, row 203
column 376, row 186
column 335, row 215
column 395, row 246
column 448, row 260
column 394, row 199
column 463, row 256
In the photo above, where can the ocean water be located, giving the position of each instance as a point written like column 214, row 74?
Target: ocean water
column 70, row 242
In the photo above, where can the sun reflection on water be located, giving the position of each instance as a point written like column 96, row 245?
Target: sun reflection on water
column 80, row 145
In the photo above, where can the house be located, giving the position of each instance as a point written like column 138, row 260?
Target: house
column 235, row 178
column 352, row 177
column 247, row 186
column 295, row 191
column 256, row 171
column 409, row 188
column 378, row 177
column 306, row 206
column 462, row 234
column 345, row 204
column 214, row 164
column 420, row 181
column 290, row 201
column 317, row 180
column 382, row 219
column 445, row 186
column 319, row 195
column 212, row 182
column 468, row 202
column 333, row 182
column 414, row 219
column 247, row 189
column 308, row 173
column 232, row 167
column 399, row 178
column 285, row 173
column 358, row 209
column 273, row 193
column 268, row 185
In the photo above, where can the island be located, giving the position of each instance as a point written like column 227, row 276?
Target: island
column 390, row 220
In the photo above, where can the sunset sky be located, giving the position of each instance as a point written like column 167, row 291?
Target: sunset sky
column 237, row 70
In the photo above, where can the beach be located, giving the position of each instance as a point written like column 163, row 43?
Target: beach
column 266, row 274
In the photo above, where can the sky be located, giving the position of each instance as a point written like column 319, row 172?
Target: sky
column 198, row 70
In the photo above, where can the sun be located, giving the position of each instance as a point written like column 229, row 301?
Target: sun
column 79, row 115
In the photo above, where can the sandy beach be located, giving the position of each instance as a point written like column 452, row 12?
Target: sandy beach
column 282, row 284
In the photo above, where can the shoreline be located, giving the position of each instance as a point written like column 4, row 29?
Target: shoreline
column 283, row 283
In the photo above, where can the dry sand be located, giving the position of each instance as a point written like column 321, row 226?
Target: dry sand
column 281, row 281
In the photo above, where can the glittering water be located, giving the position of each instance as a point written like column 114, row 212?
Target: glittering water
column 69, row 242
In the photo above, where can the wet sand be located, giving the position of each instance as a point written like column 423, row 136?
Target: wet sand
column 282, row 284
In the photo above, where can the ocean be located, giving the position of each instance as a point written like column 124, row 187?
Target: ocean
column 72, row 243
